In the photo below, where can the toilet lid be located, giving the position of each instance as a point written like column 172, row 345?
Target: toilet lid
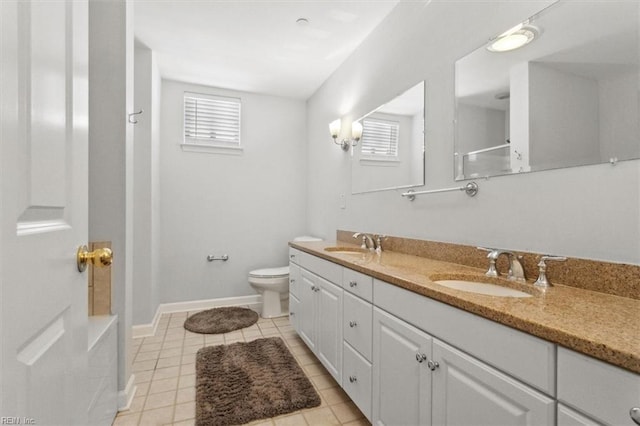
column 282, row 271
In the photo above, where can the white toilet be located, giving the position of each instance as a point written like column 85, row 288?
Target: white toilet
column 273, row 284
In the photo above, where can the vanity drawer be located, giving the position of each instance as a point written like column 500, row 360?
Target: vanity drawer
column 357, row 318
column 328, row 270
column 356, row 379
column 294, row 255
column 294, row 279
column 598, row 389
column 358, row 283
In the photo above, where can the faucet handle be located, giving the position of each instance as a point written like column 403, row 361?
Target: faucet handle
column 492, row 255
column 542, row 280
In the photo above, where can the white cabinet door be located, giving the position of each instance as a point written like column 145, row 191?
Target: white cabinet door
column 294, row 312
column 401, row 378
column 43, row 211
column 569, row 417
column 469, row 392
column 307, row 309
column 329, row 349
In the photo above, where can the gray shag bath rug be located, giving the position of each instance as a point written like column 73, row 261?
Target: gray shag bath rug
column 221, row 320
column 242, row 382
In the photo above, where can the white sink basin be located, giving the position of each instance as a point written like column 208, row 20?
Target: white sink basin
column 482, row 288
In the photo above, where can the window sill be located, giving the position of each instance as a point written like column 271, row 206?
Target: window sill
column 212, row 149
column 379, row 162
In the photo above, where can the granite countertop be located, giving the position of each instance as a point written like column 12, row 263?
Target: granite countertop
column 600, row 325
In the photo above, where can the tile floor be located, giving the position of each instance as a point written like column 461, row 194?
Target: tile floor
column 164, row 368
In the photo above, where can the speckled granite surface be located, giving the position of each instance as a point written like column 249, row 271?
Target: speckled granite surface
column 618, row 279
column 601, row 325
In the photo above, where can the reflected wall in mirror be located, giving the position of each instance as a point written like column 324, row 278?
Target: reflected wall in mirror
column 569, row 97
column 390, row 154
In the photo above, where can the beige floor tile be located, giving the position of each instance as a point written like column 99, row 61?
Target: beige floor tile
column 346, row 412
column 150, row 347
column 142, row 388
column 190, row 422
column 185, row 411
column 165, row 373
column 264, row 422
column 147, row 356
column 306, row 359
column 321, row 417
column 168, row 353
column 169, row 362
column 324, row 382
column 137, row 404
column 214, row 339
column 174, row 336
column 126, row 419
column 314, row 370
column 230, row 340
column 187, row 350
column 144, row 365
column 153, row 339
column 157, row 417
column 270, row 332
column 294, row 420
column 334, row 396
column 186, row 369
column 172, row 344
column 186, row 395
column 300, row 350
column 163, row 385
column 158, row 400
column 187, row 381
column 143, row 376
column 189, row 359
column 360, row 422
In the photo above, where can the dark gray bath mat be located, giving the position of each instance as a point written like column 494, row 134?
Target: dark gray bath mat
column 242, row 382
column 221, row 320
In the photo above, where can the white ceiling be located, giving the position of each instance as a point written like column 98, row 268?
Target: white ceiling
column 255, row 45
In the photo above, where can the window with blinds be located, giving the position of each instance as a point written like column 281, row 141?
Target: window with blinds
column 380, row 138
column 211, row 120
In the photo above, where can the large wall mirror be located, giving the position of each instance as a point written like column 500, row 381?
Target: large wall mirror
column 568, row 97
column 390, row 154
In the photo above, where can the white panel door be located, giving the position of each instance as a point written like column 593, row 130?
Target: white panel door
column 43, row 210
column 401, row 378
column 468, row 392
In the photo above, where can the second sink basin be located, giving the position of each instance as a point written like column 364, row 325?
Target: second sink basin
column 346, row 250
column 482, row 288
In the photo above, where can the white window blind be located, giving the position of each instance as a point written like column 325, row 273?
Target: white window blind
column 380, row 138
column 211, row 120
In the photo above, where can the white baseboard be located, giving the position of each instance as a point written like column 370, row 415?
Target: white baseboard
column 146, row 330
column 125, row 397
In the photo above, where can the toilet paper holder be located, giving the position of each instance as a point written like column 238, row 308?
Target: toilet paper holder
column 212, row 257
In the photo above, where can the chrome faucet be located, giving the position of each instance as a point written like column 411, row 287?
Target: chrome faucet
column 516, row 270
column 542, row 280
column 366, row 238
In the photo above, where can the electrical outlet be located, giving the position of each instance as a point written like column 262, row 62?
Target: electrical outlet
column 343, row 201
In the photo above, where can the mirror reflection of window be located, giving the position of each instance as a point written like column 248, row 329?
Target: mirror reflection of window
column 390, row 154
column 380, row 139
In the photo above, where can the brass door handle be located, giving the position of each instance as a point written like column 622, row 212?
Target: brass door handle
column 98, row 257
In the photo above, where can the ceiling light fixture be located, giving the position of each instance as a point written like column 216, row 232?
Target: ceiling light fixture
column 518, row 36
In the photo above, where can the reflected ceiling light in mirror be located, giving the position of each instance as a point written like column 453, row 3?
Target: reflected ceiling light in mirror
column 518, row 36
column 356, row 133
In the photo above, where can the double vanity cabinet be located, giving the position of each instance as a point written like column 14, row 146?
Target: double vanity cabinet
column 406, row 359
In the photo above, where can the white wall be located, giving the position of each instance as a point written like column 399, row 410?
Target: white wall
column 588, row 212
column 111, row 156
column 146, row 171
column 563, row 117
column 247, row 206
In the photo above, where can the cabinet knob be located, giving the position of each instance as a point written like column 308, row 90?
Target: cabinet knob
column 353, row 283
column 292, row 314
column 352, row 324
column 432, row 365
column 353, row 379
column 313, row 288
column 292, row 256
column 635, row 415
column 421, row 357
column 292, row 281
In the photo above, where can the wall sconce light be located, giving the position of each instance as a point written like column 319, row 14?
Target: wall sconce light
column 356, row 134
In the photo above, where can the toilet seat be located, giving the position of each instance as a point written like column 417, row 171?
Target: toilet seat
column 280, row 272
